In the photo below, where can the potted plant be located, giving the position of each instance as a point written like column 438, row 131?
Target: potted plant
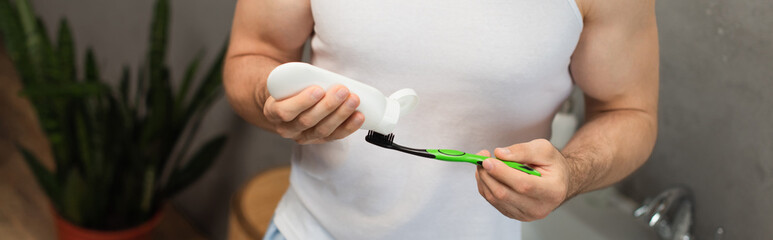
column 119, row 151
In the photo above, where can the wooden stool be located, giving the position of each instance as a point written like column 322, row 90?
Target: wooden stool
column 253, row 206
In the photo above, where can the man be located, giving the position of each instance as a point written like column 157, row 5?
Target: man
column 489, row 73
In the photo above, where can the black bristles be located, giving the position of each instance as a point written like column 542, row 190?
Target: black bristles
column 380, row 139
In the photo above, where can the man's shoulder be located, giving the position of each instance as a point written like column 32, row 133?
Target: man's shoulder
column 614, row 10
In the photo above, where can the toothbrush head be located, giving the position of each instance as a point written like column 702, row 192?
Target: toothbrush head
column 379, row 139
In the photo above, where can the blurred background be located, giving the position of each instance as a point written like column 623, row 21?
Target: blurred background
column 716, row 110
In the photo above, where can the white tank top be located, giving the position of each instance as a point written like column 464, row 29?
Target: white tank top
column 489, row 73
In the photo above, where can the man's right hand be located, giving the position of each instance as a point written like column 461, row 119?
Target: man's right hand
column 315, row 116
column 264, row 35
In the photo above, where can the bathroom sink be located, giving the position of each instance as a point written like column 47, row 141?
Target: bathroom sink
column 599, row 215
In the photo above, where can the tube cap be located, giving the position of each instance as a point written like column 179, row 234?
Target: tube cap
column 400, row 102
column 407, row 98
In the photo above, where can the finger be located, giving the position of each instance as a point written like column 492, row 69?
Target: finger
column 484, row 153
column 334, row 97
column 537, row 152
column 505, row 206
column 482, row 188
column 348, row 127
column 498, row 189
column 269, row 110
column 516, row 180
column 330, row 123
column 287, row 109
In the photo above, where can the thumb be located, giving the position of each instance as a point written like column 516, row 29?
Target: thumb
column 535, row 152
column 506, row 175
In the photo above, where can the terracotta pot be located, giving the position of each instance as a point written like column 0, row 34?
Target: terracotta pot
column 67, row 231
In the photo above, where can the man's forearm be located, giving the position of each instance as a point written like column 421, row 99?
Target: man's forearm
column 245, row 80
column 610, row 146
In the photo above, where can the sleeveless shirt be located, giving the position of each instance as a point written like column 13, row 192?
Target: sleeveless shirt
column 489, row 73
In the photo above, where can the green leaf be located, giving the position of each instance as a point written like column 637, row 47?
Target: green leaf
column 92, row 70
column 66, row 53
column 15, row 41
column 159, row 125
column 159, row 100
column 124, row 86
column 208, row 89
column 83, row 137
column 43, row 32
column 51, row 67
column 190, row 73
column 45, row 178
column 14, row 37
column 198, row 165
column 92, row 76
column 157, row 55
column 33, row 39
column 158, row 39
column 183, row 149
column 141, row 87
column 148, row 185
column 74, row 194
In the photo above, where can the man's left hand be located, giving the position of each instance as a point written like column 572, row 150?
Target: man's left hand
column 519, row 195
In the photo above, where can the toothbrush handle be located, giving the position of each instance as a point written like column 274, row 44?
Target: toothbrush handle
column 459, row 156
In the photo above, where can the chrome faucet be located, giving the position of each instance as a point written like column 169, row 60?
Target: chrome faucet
column 669, row 214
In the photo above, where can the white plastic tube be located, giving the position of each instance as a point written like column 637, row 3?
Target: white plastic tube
column 381, row 113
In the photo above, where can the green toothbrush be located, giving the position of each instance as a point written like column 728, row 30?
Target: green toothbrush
column 387, row 141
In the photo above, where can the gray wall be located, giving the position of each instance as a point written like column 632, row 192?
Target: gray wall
column 716, row 112
column 118, row 32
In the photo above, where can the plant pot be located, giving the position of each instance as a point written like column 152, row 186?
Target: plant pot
column 67, row 231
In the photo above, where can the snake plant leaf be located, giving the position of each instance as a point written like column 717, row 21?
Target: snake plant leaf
column 198, row 165
column 15, row 41
column 195, row 123
column 159, row 99
column 158, row 36
column 208, row 89
column 148, row 184
column 43, row 33
column 10, row 29
column 45, row 177
column 33, row 39
column 65, row 52
column 168, row 122
column 190, row 73
column 158, row 44
column 123, row 86
column 92, row 70
column 159, row 116
column 83, row 137
column 13, row 36
column 74, row 195
column 141, row 86
column 50, row 61
column 92, row 76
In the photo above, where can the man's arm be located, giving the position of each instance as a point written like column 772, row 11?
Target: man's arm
column 616, row 65
column 264, row 35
